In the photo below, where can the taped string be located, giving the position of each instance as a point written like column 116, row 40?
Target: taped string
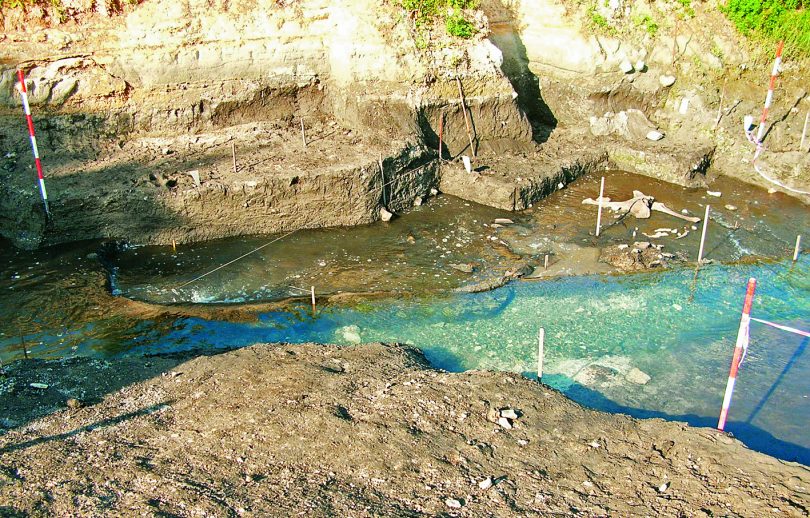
column 783, row 328
column 235, row 260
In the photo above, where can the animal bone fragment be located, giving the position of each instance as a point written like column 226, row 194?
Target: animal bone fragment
column 639, row 206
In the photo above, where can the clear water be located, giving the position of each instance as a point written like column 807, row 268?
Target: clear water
column 600, row 329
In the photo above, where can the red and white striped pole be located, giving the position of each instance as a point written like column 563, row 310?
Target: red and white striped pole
column 739, row 350
column 769, row 97
column 37, row 161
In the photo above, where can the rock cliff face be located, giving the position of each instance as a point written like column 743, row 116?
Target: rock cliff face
column 126, row 104
column 122, row 90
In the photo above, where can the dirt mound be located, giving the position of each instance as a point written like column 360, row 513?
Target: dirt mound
column 369, row 430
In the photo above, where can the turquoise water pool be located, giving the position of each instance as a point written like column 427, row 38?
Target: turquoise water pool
column 652, row 344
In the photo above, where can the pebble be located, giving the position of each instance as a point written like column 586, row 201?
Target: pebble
column 73, row 403
column 625, row 66
column 667, row 81
column 731, row 207
column 503, row 221
column 654, row 135
column 716, row 194
column 504, row 422
column 485, row 484
column 663, row 487
column 385, row 215
column 452, row 503
column 38, row 385
column 509, row 413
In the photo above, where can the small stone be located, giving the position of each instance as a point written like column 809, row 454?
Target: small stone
column 496, row 225
column 92, row 256
column 485, row 484
column 417, row 201
column 623, row 246
column 523, row 442
column 493, row 415
column 464, row 267
column 771, row 190
column 509, row 413
column 716, row 194
column 643, row 245
column 560, row 186
column 504, row 422
column 385, row 215
column 667, row 80
column 452, row 503
column 637, row 376
column 731, row 207
column 503, row 221
column 677, row 307
column 663, row 487
column 626, row 67
column 640, row 65
column 654, row 135
column 38, row 386
column 434, row 192
column 74, row 403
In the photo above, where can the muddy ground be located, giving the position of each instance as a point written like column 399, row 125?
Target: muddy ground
column 354, row 431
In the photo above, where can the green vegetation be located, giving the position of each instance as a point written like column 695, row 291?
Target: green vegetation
column 648, row 23
column 426, row 12
column 773, row 20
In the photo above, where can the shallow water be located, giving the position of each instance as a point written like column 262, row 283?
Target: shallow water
column 600, row 329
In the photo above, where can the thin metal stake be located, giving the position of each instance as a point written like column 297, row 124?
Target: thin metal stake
column 599, row 212
column 233, row 152
column 703, row 235
column 798, row 248
column 541, row 336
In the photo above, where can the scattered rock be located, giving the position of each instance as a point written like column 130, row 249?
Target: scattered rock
column 509, row 413
column 503, row 221
column 731, row 207
column 637, row 376
column 417, row 201
column 434, row 192
column 663, row 487
column 504, row 423
column 350, row 334
column 654, row 135
column 195, row 175
column 626, row 67
column 485, row 484
column 38, row 386
column 463, row 267
column 716, row 194
column 642, row 245
column 385, row 215
column 640, row 66
column 667, row 80
column 74, row 403
column 452, row 503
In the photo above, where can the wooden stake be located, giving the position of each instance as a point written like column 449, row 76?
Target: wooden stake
column 303, row 135
column 720, row 108
column 24, row 348
column 233, row 153
column 804, row 131
column 312, row 290
column 798, row 248
column 703, row 235
column 174, row 245
column 541, row 336
column 599, row 211
column 441, row 132
column 464, row 110
column 382, row 173
column 545, row 263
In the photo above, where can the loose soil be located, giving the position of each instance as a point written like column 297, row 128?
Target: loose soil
column 354, row 431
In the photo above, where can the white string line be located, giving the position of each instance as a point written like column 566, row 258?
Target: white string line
column 781, row 327
column 237, row 259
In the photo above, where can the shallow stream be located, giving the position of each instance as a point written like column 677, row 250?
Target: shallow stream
column 657, row 343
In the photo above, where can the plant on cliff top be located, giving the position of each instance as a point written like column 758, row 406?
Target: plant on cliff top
column 426, row 12
column 773, row 20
